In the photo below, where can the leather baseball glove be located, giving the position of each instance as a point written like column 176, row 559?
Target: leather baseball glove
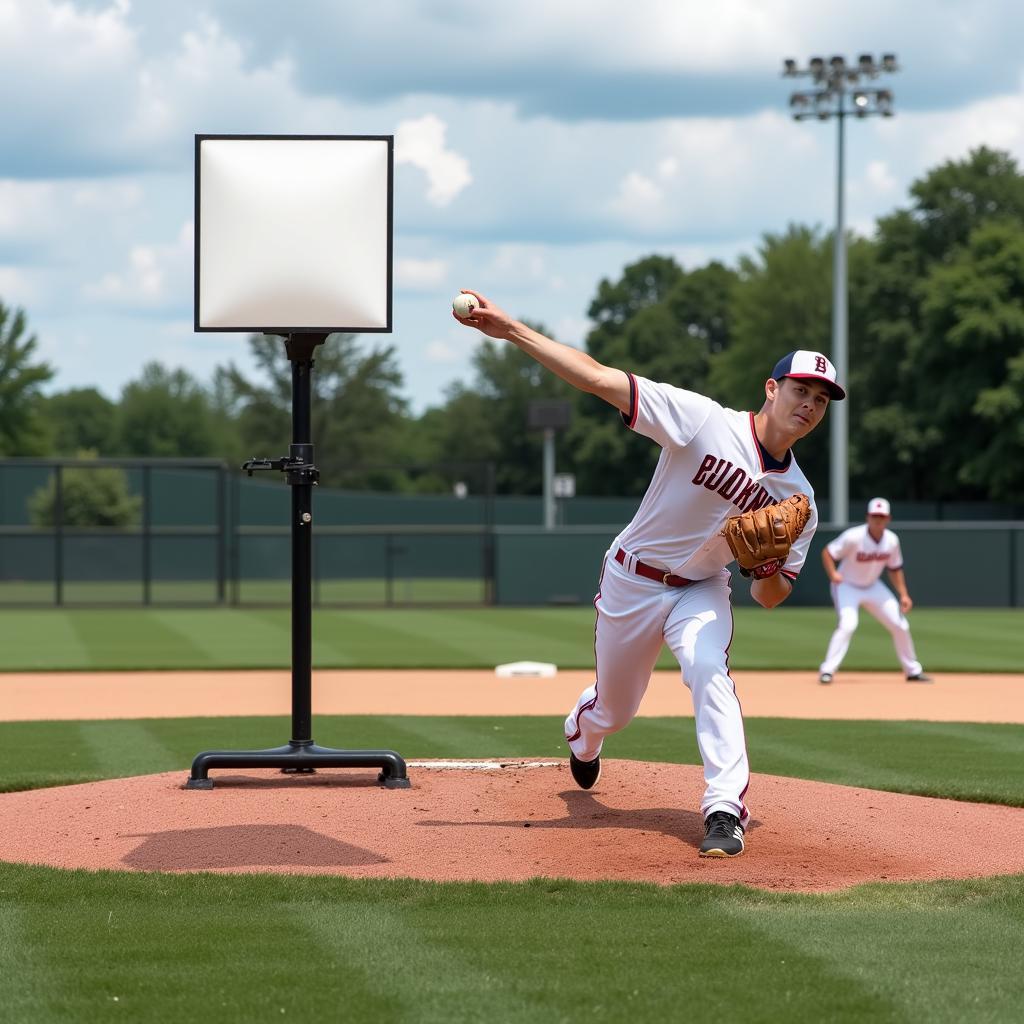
column 761, row 539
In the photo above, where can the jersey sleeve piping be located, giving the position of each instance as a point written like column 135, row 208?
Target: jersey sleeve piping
column 630, row 418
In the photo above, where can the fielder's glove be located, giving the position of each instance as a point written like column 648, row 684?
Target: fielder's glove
column 761, row 539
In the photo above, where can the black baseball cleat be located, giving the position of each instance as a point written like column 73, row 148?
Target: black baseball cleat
column 919, row 677
column 586, row 773
column 825, row 678
column 723, row 835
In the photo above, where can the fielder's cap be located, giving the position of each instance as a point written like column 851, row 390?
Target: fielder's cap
column 813, row 365
column 878, row 507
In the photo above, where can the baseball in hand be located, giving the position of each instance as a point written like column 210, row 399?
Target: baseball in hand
column 464, row 305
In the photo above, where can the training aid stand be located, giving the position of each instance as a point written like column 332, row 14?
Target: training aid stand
column 300, row 754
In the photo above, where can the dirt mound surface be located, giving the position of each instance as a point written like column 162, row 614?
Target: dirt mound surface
column 507, row 821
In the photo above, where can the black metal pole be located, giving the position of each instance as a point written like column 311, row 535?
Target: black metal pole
column 300, row 754
column 147, row 531
column 58, row 535
column 302, row 548
column 221, row 483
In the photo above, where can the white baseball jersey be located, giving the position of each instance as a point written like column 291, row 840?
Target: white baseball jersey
column 711, row 467
column 861, row 559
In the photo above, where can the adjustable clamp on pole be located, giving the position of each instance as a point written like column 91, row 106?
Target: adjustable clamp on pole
column 298, row 466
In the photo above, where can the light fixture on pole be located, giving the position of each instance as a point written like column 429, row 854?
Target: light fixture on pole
column 833, row 82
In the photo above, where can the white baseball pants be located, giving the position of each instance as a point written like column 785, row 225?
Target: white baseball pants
column 635, row 616
column 884, row 606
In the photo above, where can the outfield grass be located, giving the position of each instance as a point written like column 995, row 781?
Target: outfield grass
column 948, row 640
column 965, row 761
column 96, row 947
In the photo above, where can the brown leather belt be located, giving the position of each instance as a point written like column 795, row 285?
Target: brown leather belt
column 642, row 569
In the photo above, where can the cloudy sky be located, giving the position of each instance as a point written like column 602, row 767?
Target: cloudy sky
column 540, row 146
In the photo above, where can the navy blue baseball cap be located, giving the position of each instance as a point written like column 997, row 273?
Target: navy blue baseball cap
column 805, row 365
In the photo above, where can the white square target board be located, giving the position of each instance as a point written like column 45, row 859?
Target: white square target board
column 293, row 233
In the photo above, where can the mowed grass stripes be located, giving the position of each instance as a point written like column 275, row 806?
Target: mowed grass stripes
column 964, row 761
column 966, row 640
column 88, row 947
column 91, row 947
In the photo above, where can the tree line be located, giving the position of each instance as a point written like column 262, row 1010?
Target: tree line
column 936, row 375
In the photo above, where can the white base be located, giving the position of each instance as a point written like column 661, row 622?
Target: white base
column 525, row 668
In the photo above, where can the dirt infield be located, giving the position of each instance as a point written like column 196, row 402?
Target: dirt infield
column 953, row 697
column 487, row 822
column 492, row 821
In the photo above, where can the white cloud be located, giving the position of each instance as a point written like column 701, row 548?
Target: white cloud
column 27, row 208
column 668, row 167
column 515, row 265
column 880, row 177
column 997, row 122
column 442, row 352
column 639, row 198
column 581, row 157
column 107, row 196
column 89, row 38
column 420, row 275
column 15, row 287
column 421, row 143
column 572, row 330
column 155, row 275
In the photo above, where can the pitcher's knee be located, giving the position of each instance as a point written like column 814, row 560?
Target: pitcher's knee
column 707, row 677
column 603, row 719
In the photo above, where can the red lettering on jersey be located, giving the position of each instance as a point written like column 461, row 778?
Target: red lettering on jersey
column 741, row 498
column 732, row 485
column 723, row 467
column 872, row 556
column 761, row 497
column 706, row 465
column 820, row 366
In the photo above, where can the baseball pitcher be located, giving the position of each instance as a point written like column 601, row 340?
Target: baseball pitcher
column 726, row 488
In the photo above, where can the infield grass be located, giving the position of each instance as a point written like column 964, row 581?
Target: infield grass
column 964, row 761
column 149, row 947
column 948, row 640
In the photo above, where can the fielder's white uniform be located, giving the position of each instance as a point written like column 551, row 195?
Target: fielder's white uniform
column 860, row 560
column 711, row 467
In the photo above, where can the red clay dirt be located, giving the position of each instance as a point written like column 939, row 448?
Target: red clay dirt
column 507, row 822
column 954, row 697
column 493, row 821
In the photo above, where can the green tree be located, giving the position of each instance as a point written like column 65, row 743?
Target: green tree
column 642, row 285
column 783, row 302
column 660, row 322
column 81, row 419
column 954, row 198
column 969, row 362
column 902, row 436
column 358, row 415
column 90, row 496
column 23, row 429
column 165, row 414
column 486, row 421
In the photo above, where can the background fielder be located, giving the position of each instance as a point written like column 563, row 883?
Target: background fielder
column 862, row 552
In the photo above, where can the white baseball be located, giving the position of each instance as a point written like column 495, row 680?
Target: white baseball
column 464, row 305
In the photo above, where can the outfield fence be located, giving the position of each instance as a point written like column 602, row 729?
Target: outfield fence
column 195, row 532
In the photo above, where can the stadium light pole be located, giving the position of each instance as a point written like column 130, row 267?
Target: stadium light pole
column 834, row 81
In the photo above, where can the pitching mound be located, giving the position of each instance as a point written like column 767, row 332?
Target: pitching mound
column 507, row 821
